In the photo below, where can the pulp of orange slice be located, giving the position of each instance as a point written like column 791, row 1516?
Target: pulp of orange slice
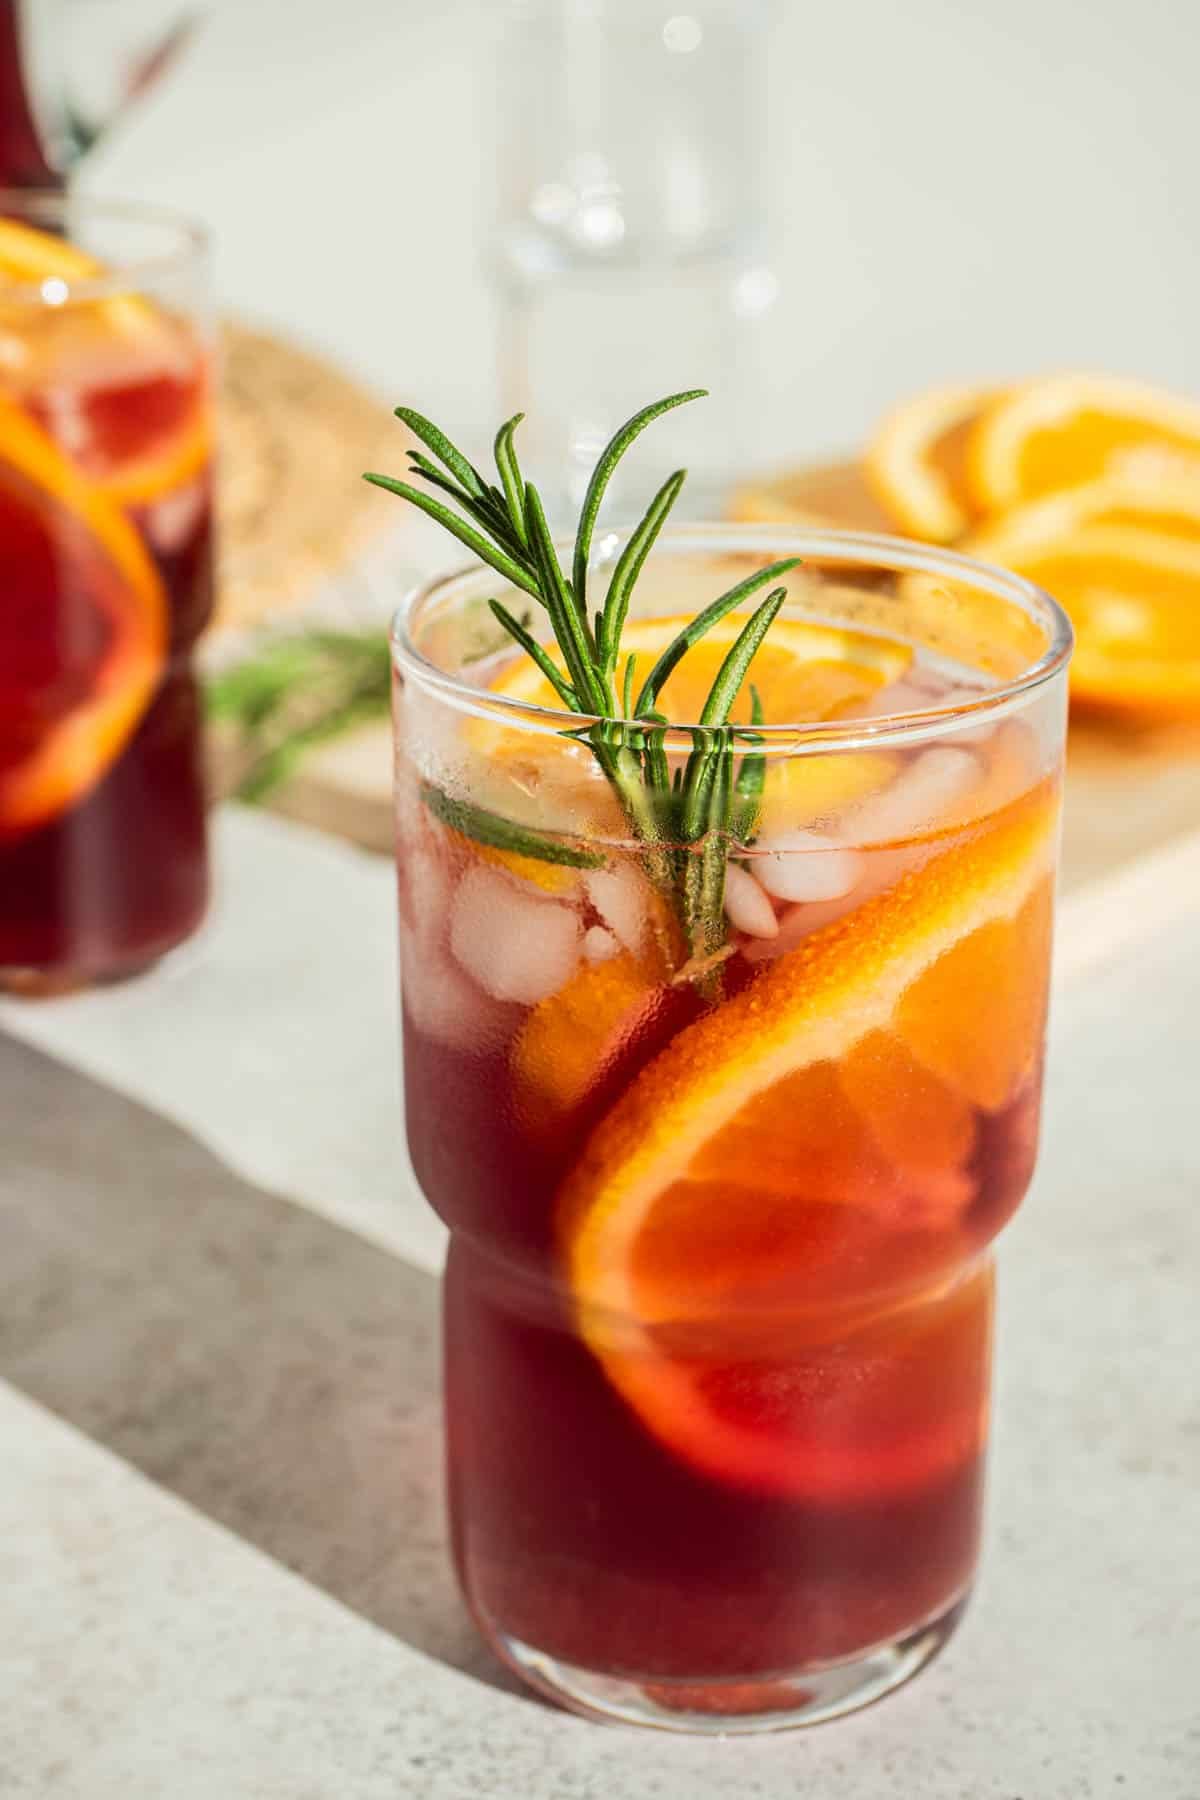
column 803, row 671
column 794, row 1171
column 133, row 378
column 1068, row 429
column 916, row 461
column 1134, row 599
column 83, row 628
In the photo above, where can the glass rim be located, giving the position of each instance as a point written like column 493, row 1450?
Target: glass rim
column 904, row 555
column 127, row 274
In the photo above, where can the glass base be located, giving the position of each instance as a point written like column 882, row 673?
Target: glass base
column 734, row 1708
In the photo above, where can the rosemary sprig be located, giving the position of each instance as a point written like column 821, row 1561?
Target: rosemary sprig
column 686, row 821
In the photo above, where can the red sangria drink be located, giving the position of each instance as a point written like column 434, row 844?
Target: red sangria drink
column 723, row 1036
column 23, row 160
column 105, row 586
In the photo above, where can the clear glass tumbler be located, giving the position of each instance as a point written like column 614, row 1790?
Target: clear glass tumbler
column 106, row 427
column 718, row 1304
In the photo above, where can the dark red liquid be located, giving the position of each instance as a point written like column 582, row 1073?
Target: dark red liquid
column 22, row 160
column 577, row 1529
column 110, row 879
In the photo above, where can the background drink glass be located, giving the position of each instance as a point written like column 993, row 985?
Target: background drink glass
column 718, row 1298
column 629, row 239
column 105, row 547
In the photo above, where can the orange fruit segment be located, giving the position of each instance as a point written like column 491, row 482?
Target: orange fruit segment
column 73, row 705
column 1167, row 503
column 736, row 1193
column 570, row 1038
column 803, row 672
column 1134, row 600
column 1068, row 429
column 135, row 453
column 915, row 463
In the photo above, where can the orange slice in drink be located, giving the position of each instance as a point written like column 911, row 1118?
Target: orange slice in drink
column 83, row 628
column 1134, row 600
column 803, row 672
column 915, row 462
column 794, row 1166
column 1068, row 429
column 134, row 382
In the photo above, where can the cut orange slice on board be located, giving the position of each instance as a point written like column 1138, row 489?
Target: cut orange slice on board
column 1168, row 503
column 803, row 672
column 83, row 629
column 138, row 384
column 1134, row 600
column 915, row 463
column 726, row 1209
column 1068, row 429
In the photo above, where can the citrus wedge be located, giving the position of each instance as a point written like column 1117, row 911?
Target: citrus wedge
column 803, row 672
column 138, row 451
column 914, row 464
column 1168, row 502
column 83, row 628
column 1134, row 600
column 814, row 1127
column 1067, row 429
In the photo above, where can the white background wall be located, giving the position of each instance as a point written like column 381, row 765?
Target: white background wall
column 958, row 187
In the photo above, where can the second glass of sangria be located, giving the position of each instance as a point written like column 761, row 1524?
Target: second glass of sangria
column 106, row 428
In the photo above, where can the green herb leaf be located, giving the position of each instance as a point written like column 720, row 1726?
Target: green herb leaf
column 490, row 828
column 629, row 567
column 712, row 615
column 532, row 648
column 447, row 453
column 602, row 474
column 748, row 789
column 732, row 672
column 518, row 573
column 510, row 475
column 569, row 628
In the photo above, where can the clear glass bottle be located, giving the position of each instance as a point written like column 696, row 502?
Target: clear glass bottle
column 628, row 245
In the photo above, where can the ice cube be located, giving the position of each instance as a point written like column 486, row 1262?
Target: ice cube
column 805, row 865
column 619, row 896
column 424, row 884
column 746, row 904
column 932, row 785
column 516, row 946
column 600, row 945
column 443, row 1003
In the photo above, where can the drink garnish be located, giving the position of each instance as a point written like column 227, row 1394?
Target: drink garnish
column 687, row 821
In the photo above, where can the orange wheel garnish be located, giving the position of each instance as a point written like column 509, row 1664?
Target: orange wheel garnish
column 1068, row 429
column 915, row 462
column 69, row 713
column 133, row 463
column 1134, row 600
column 720, row 1219
column 803, row 672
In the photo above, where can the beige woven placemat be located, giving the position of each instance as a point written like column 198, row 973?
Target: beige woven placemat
column 294, row 434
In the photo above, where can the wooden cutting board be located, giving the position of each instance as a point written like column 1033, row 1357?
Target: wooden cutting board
column 1129, row 790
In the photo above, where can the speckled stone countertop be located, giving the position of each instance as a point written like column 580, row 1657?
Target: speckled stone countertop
column 224, row 1568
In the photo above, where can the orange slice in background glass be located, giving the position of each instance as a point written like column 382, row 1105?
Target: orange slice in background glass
column 796, row 1165
column 1134, row 599
column 83, row 628
column 1067, row 429
column 118, row 382
column 915, row 464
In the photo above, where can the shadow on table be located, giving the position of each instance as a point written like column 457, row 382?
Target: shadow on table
column 274, row 1370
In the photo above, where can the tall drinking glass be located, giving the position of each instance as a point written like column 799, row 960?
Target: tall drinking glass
column 718, row 1304
column 105, row 585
